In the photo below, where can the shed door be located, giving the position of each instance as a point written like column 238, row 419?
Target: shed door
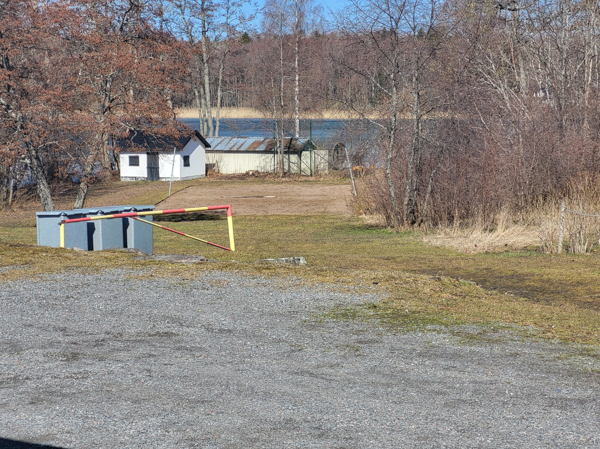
column 152, row 166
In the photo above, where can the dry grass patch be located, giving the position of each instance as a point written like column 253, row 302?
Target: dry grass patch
column 454, row 302
column 505, row 235
column 225, row 113
column 375, row 220
column 580, row 219
column 477, row 240
column 416, row 302
column 250, row 113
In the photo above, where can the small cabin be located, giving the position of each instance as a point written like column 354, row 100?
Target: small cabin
column 157, row 158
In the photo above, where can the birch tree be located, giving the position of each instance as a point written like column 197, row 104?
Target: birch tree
column 274, row 25
column 208, row 28
column 290, row 18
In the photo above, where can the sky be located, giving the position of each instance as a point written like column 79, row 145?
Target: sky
column 328, row 7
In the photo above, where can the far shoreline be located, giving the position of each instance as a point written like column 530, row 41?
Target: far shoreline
column 250, row 113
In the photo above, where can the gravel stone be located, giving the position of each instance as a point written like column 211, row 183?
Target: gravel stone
column 228, row 360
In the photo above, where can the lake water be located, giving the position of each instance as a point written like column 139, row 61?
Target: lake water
column 244, row 127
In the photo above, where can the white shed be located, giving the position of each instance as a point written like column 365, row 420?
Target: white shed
column 244, row 154
column 183, row 159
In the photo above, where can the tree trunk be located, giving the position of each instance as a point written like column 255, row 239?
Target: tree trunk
column 390, row 152
column 11, row 191
column 219, row 95
column 208, row 102
column 281, row 91
column 3, row 186
column 196, row 79
column 275, row 126
column 429, row 188
column 281, row 149
column 84, row 181
column 106, row 157
column 297, row 90
column 204, row 118
column 418, row 170
column 81, row 195
column 200, row 112
column 412, row 175
column 117, row 161
column 37, row 170
column 390, row 180
column 520, row 72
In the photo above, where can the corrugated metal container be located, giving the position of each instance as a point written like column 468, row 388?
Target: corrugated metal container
column 97, row 234
column 104, row 234
column 48, row 229
column 137, row 234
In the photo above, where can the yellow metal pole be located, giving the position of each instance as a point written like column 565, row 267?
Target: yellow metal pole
column 178, row 211
column 62, row 235
column 230, row 227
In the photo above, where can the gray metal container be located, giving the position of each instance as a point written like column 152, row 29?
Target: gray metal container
column 107, row 233
column 97, row 234
column 48, row 229
column 137, row 234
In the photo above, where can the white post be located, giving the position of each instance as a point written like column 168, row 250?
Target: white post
column 172, row 168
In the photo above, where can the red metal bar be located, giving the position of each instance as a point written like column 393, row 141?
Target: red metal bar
column 173, row 211
column 157, row 212
column 123, row 215
column 221, row 207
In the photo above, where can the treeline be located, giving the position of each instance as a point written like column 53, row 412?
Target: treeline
column 480, row 106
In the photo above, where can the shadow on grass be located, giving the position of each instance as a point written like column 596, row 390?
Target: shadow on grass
column 194, row 216
column 14, row 444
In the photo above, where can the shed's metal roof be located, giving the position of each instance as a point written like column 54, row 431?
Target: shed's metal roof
column 239, row 143
column 246, row 144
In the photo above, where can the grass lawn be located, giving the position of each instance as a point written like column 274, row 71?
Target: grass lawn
column 557, row 296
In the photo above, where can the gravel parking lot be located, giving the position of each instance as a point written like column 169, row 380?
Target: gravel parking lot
column 237, row 361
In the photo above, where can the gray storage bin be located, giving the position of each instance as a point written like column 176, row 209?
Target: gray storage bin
column 48, row 229
column 137, row 234
column 107, row 233
column 97, row 234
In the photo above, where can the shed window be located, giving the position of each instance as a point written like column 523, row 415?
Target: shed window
column 134, row 161
column 186, row 161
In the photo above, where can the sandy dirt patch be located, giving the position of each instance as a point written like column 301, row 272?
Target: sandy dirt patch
column 266, row 199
